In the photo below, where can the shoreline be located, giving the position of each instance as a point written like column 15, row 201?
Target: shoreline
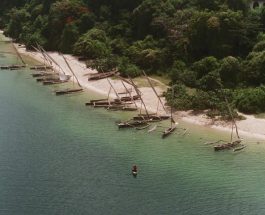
column 101, row 86
column 250, row 127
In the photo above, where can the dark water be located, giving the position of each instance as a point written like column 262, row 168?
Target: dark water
column 59, row 157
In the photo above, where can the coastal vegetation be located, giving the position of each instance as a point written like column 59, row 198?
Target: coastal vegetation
column 211, row 51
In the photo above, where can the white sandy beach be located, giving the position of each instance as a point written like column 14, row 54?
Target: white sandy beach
column 251, row 126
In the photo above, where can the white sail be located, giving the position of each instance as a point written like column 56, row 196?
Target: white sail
column 64, row 77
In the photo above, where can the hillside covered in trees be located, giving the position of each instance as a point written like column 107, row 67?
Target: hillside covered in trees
column 210, row 50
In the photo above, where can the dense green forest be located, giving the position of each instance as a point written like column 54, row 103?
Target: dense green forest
column 210, row 50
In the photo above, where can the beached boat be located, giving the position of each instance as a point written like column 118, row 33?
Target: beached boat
column 102, row 102
column 52, row 77
column 121, row 107
column 12, row 67
column 4, row 67
column 154, row 118
column 131, row 124
column 129, row 108
column 55, row 79
column 52, row 82
column 40, row 67
column 128, row 98
column 173, row 124
column 98, row 76
column 41, row 74
column 230, row 145
column 168, row 131
column 68, row 91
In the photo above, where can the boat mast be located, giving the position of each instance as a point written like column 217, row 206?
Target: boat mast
column 230, row 113
column 51, row 59
column 20, row 57
column 71, row 70
column 171, row 118
column 139, row 94
column 128, row 93
column 109, row 95
column 232, row 116
column 114, row 90
column 44, row 56
column 154, row 90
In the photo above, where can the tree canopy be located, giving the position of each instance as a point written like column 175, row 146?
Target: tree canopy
column 201, row 45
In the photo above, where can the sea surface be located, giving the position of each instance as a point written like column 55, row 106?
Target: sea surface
column 59, row 157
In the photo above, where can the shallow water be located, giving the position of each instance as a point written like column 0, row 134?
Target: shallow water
column 59, row 157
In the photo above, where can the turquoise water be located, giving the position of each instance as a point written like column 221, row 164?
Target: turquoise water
column 59, row 157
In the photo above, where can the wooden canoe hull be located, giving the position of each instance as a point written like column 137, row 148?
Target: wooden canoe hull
column 168, row 131
column 68, row 91
column 131, row 124
column 227, row 145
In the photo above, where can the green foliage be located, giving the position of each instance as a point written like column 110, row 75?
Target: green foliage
column 202, row 44
column 253, row 72
column 250, row 100
column 229, row 70
column 69, row 38
column 206, row 72
column 260, row 46
column 35, row 38
column 178, row 97
column 94, row 44
column 18, row 18
column 128, row 69
column 104, row 64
